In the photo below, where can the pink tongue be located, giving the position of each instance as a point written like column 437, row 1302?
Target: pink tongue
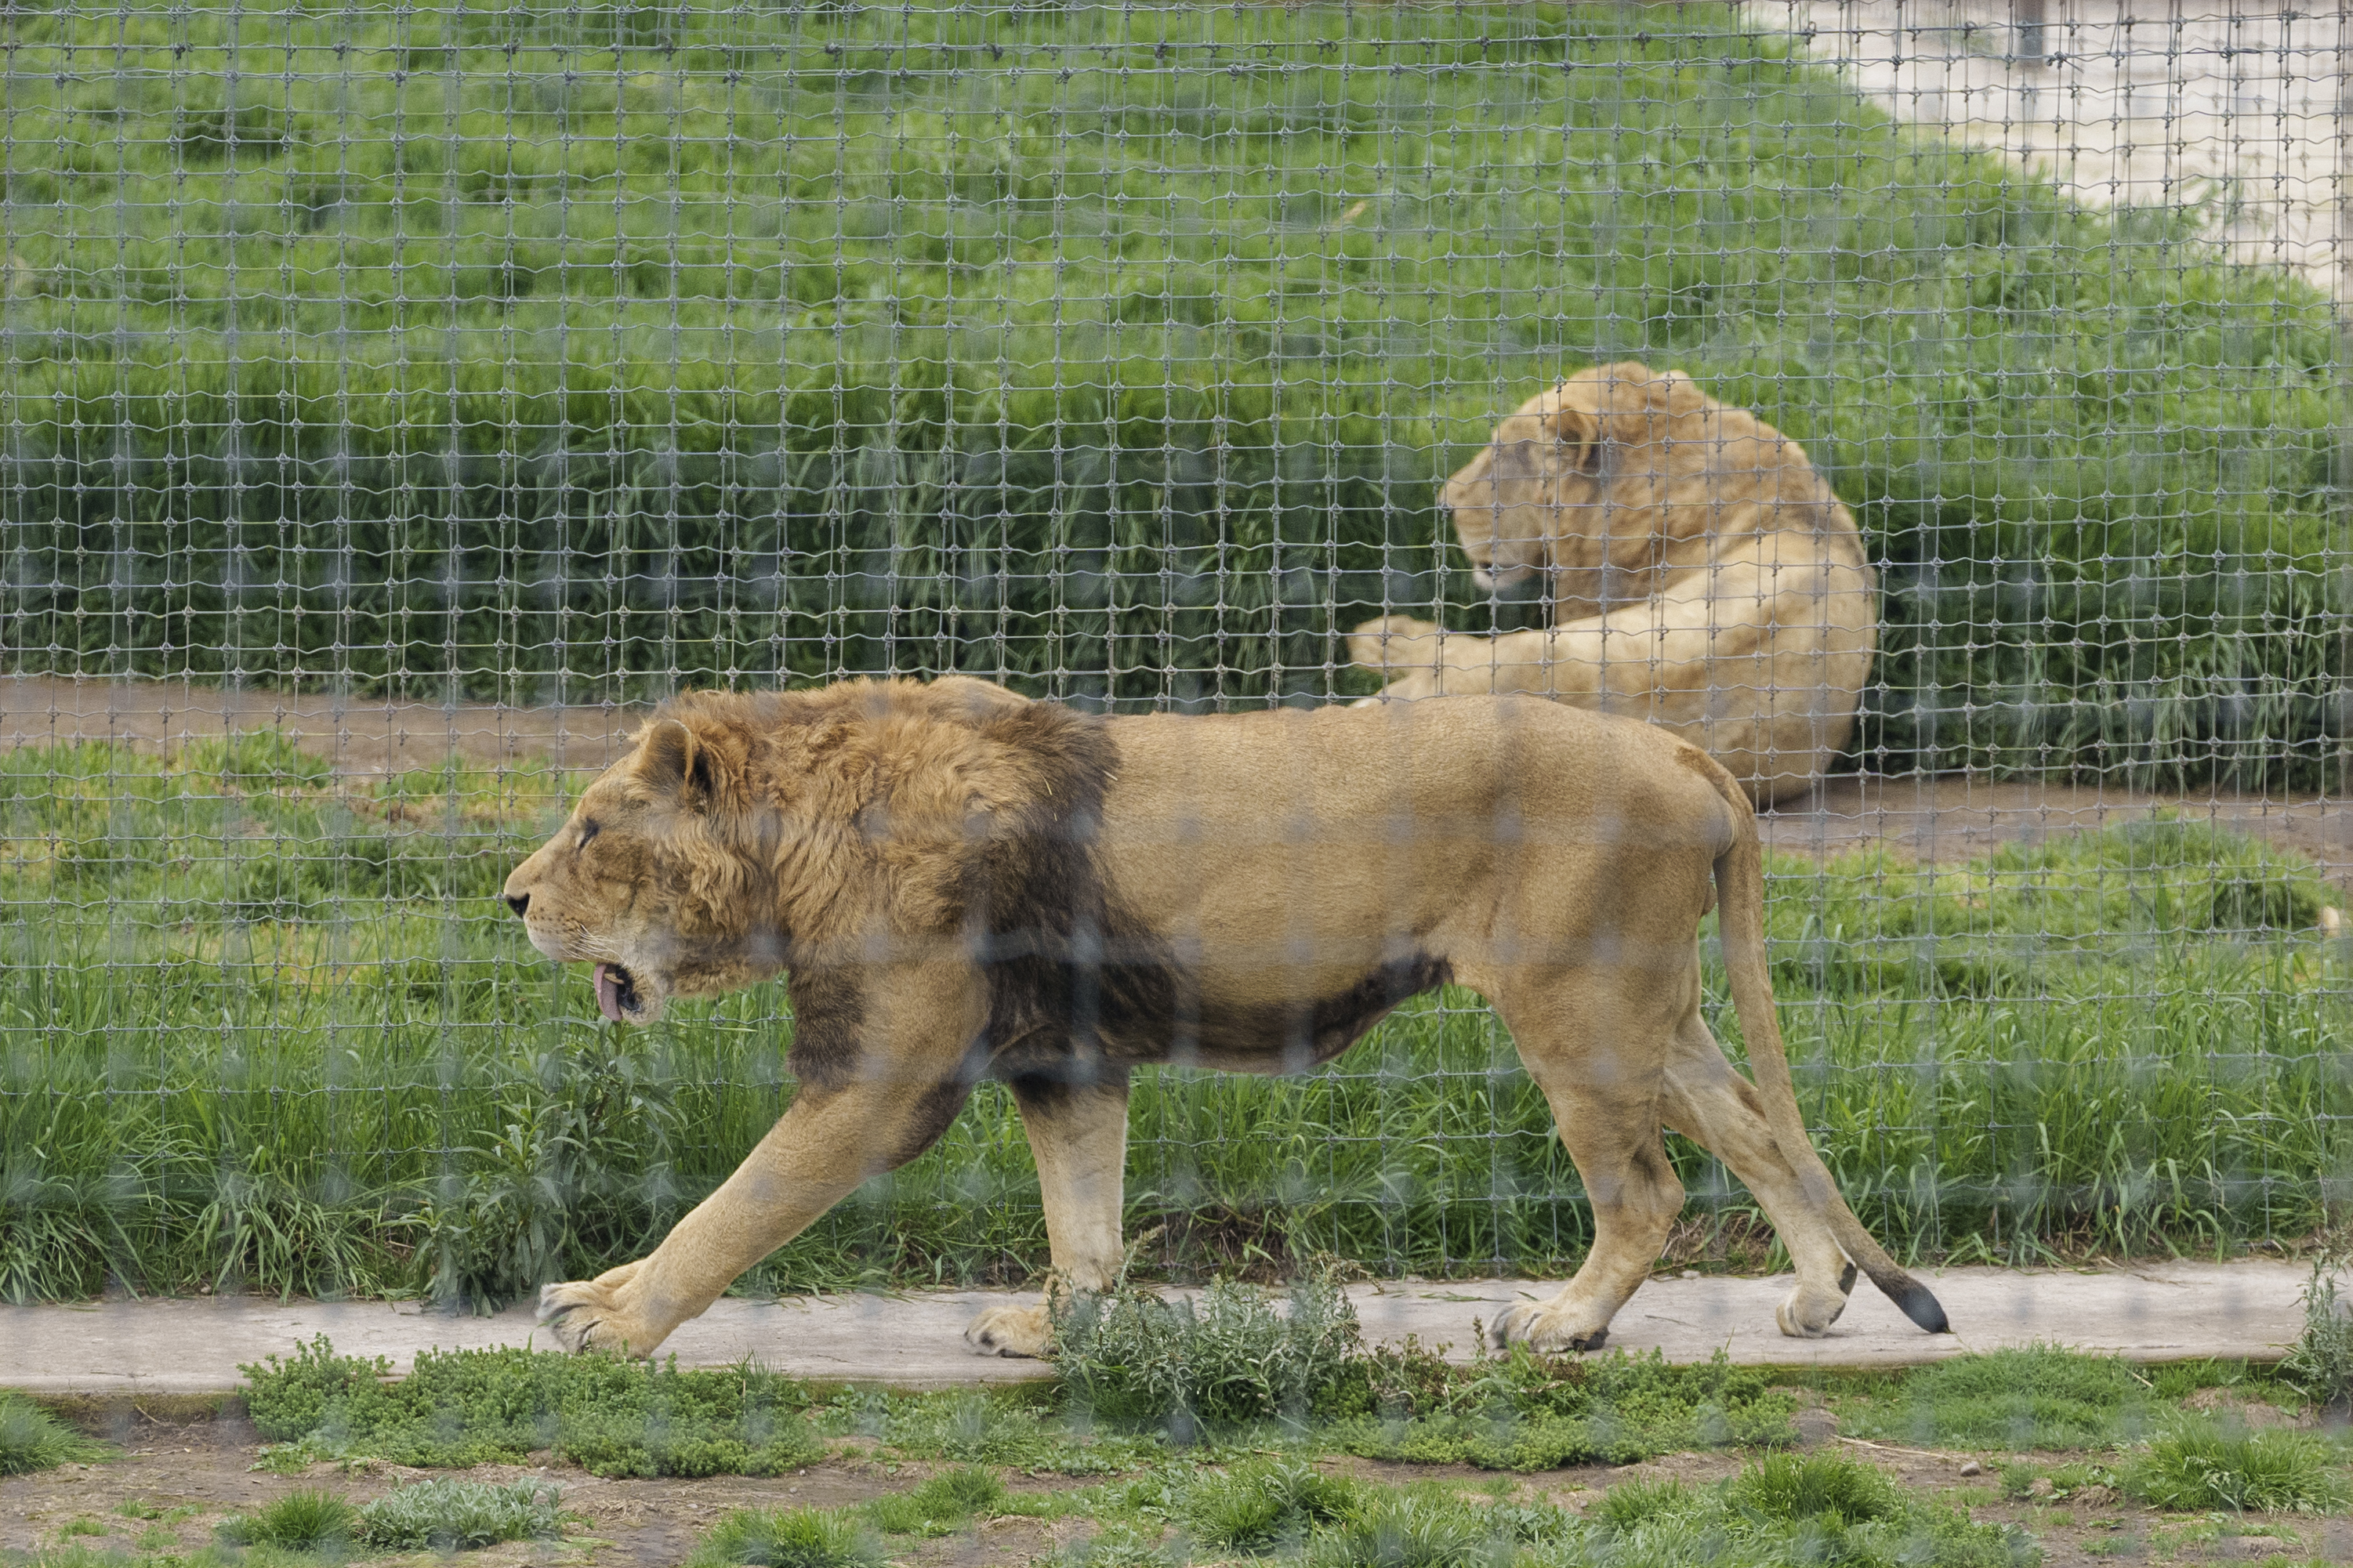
column 608, row 994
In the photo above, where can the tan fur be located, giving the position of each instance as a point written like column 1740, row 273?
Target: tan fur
column 1703, row 576
column 1288, row 874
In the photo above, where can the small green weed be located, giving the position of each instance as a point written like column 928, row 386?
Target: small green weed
column 1266, row 1507
column 137, row 1508
column 311, row 1520
column 1122, row 1547
column 82, row 1527
column 459, row 1516
column 788, row 1538
column 2202, row 1465
column 33, row 1440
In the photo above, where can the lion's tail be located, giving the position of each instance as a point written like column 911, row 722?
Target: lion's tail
column 1740, row 898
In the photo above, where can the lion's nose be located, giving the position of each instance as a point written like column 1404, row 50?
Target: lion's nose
column 518, row 902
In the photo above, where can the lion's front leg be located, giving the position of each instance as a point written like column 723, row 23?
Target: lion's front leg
column 816, row 1155
column 1077, row 1134
column 1422, row 661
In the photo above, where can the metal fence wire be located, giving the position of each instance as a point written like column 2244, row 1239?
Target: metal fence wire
column 399, row 397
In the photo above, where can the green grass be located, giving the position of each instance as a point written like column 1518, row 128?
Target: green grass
column 311, row 1520
column 2016, row 1399
column 1267, row 1508
column 1117, row 350
column 32, row 1439
column 616, row 1418
column 787, row 1538
column 2200, row 1466
column 469, row 1407
column 945, row 1502
column 260, row 1029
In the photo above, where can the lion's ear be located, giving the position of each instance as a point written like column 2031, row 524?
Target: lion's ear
column 1580, row 433
column 672, row 760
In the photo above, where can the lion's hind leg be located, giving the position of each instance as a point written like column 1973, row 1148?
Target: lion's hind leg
column 1716, row 1108
column 1592, row 1046
column 1077, row 1134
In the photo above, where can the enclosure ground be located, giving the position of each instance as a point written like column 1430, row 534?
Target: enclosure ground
column 1929, row 819
column 2160, row 1311
column 173, row 1481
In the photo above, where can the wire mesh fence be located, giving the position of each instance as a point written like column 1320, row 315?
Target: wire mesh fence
column 399, row 397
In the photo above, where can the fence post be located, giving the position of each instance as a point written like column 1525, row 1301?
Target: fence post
column 2026, row 19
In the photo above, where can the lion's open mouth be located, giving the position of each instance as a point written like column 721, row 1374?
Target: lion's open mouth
column 616, row 991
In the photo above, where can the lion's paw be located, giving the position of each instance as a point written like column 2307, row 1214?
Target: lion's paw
column 588, row 1314
column 1808, row 1312
column 1545, row 1328
column 1390, row 642
column 1010, row 1331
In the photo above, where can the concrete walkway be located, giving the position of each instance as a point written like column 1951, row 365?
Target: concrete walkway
column 2158, row 1312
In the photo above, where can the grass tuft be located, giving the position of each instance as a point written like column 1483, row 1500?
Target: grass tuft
column 2204, row 1464
column 1405, row 1532
column 310, row 1519
column 32, row 1439
column 787, row 1538
column 1268, row 1507
column 1790, row 1489
column 943, row 1503
column 460, row 1515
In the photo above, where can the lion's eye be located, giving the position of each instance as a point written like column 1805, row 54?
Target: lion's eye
column 587, row 830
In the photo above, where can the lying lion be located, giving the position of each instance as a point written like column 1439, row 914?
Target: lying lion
column 965, row 884
column 1703, row 576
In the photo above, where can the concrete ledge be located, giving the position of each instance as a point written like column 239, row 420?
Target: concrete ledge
column 2165, row 1312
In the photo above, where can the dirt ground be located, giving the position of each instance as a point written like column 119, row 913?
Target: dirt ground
column 1930, row 819
column 188, row 1475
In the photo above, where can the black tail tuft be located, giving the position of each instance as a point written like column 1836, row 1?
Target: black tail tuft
column 1921, row 1307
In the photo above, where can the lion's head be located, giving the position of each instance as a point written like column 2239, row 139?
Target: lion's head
column 647, row 880
column 746, row 835
column 1599, row 479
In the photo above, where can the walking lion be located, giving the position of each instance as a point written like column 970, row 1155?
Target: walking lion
column 966, row 884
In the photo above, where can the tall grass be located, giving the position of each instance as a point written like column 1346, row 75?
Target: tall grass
column 263, row 1029
column 1117, row 350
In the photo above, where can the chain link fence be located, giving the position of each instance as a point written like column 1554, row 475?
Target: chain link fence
column 398, row 397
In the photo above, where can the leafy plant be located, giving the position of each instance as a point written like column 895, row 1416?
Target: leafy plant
column 1130, row 1356
column 2321, row 1361
column 460, row 1515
